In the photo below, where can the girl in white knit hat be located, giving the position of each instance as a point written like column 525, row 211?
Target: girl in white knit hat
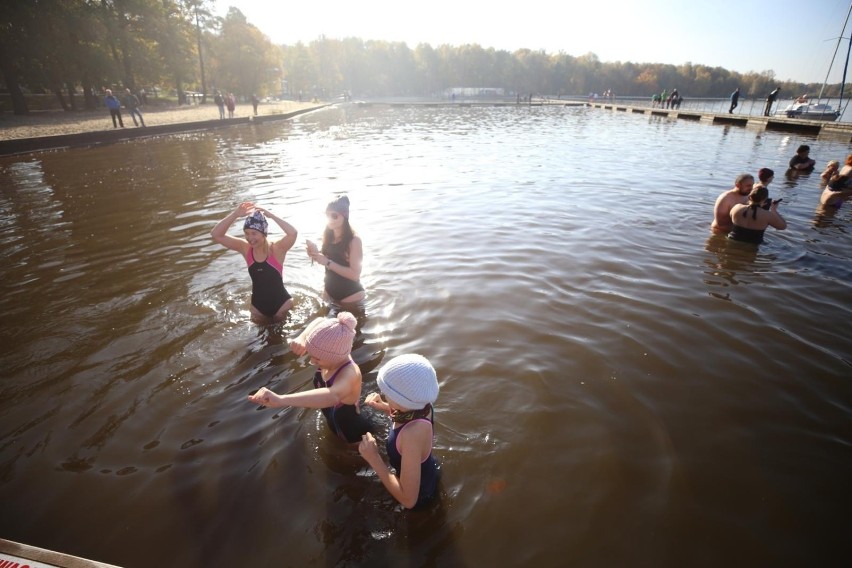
column 337, row 382
column 409, row 386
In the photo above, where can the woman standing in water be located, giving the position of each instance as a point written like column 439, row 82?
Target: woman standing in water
column 270, row 301
column 750, row 221
column 341, row 255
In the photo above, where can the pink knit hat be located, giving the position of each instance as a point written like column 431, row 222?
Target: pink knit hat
column 330, row 339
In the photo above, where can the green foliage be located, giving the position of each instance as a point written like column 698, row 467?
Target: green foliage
column 57, row 46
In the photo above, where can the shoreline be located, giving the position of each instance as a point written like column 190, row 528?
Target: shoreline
column 49, row 130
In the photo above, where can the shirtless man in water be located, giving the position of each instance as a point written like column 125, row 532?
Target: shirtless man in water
column 722, row 223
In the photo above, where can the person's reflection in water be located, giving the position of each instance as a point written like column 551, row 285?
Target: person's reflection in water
column 733, row 261
column 824, row 217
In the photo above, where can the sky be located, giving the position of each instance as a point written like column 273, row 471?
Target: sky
column 795, row 39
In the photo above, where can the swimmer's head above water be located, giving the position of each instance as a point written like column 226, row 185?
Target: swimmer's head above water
column 257, row 221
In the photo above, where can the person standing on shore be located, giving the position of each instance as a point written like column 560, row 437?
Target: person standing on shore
column 722, row 223
column 231, row 102
column 220, row 102
column 341, row 255
column 131, row 103
column 735, row 100
column 114, row 106
column 270, row 300
column 254, row 103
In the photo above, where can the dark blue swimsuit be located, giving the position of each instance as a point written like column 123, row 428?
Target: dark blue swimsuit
column 430, row 470
column 343, row 419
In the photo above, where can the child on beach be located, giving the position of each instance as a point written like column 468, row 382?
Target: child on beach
column 337, row 381
column 409, row 384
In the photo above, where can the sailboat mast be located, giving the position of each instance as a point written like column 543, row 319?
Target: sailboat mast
column 835, row 53
column 845, row 67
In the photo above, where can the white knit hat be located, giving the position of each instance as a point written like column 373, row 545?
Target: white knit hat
column 410, row 381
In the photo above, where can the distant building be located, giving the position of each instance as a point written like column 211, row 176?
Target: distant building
column 475, row 92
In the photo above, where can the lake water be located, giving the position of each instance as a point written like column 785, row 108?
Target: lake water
column 618, row 387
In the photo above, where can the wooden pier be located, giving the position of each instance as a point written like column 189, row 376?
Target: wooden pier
column 17, row 555
column 841, row 131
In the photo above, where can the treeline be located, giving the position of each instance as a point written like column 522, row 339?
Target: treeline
column 74, row 48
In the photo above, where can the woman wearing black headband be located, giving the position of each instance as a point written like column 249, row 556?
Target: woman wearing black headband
column 270, row 301
column 341, row 255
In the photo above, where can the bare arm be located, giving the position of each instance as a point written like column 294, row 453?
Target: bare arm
column 720, row 213
column 413, row 442
column 286, row 242
column 373, row 399
column 356, row 257
column 220, row 231
column 316, row 398
column 775, row 218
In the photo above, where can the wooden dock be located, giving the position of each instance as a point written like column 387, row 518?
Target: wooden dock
column 841, row 131
column 17, row 555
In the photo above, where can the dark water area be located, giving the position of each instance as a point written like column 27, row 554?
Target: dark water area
column 618, row 387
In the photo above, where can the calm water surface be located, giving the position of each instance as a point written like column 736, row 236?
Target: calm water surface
column 618, row 387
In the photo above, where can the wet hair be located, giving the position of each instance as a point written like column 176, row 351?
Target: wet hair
column 803, row 148
column 755, row 199
column 743, row 177
column 765, row 174
column 849, row 160
column 346, row 238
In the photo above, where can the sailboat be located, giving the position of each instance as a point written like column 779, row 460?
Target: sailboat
column 820, row 111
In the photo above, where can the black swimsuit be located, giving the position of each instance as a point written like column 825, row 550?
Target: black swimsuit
column 336, row 286
column 744, row 234
column 345, row 420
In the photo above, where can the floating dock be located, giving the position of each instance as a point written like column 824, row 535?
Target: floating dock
column 822, row 129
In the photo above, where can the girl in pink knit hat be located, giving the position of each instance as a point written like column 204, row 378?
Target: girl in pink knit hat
column 337, row 381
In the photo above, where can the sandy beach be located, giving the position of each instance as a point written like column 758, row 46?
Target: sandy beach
column 53, row 123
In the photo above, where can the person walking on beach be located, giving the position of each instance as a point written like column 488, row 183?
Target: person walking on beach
column 735, row 99
column 254, row 103
column 270, row 300
column 770, row 98
column 725, row 202
column 341, row 255
column 749, row 221
column 114, row 106
column 131, row 103
column 220, row 102
column 337, row 380
column 409, row 387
